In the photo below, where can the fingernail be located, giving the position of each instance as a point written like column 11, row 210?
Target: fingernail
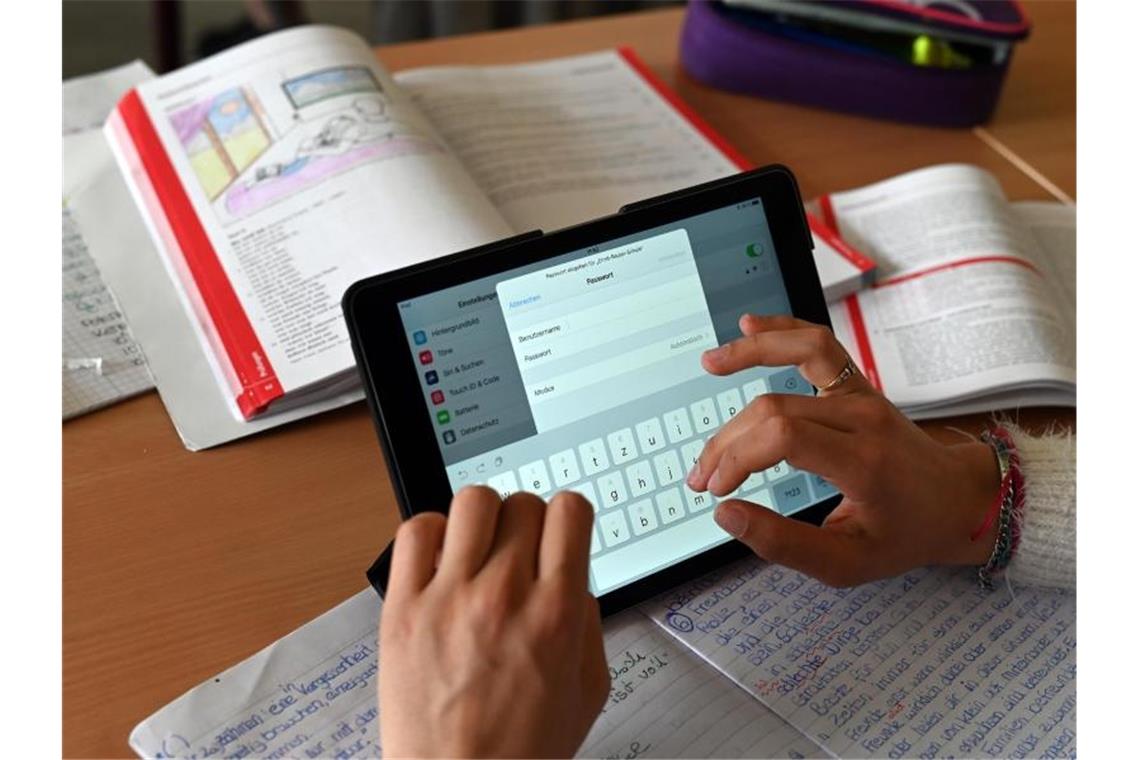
column 714, row 354
column 732, row 519
column 714, row 481
column 694, row 474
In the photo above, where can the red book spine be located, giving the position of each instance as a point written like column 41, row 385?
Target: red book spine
column 686, row 111
column 825, row 230
column 258, row 381
column 826, row 233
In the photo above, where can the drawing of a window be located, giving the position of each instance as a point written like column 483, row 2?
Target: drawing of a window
column 321, row 85
column 222, row 136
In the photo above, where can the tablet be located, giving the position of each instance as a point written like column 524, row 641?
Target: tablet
column 571, row 361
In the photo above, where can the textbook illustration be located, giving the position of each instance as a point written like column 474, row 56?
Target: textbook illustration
column 335, row 120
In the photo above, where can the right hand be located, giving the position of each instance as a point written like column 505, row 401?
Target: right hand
column 490, row 638
column 909, row 500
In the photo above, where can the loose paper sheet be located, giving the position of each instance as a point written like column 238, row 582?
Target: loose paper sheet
column 923, row 665
column 313, row 693
column 102, row 363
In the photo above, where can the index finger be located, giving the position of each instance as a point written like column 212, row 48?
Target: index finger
column 812, row 348
column 566, row 533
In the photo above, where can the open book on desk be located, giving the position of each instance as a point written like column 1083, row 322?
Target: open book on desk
column 974, row 308
column 275, row 174
column 751, row 661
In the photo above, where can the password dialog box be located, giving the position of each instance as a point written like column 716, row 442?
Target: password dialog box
column 607, row 328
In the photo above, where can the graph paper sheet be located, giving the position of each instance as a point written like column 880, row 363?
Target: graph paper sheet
column 102, row 363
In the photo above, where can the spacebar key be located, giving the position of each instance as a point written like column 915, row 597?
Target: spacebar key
column 657, row 551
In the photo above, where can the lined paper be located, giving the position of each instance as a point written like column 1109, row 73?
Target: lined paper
column 923, row 665
column 313, row 693
column 666, row 702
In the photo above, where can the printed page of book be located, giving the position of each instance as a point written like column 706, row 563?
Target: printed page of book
column 1011, row 398
column 967, row 302
column 313, row 694
column 307, row 169
column 959, row 331
column 564, row 141
column 1054, row 227
column 923, row 665
column 928, row 217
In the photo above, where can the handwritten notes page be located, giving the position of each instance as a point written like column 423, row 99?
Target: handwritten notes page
column 102, row 363
column 313, row 694
column 924, row 665
column 666, row 702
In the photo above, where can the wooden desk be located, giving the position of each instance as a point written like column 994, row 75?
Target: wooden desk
column 178, row 565
column 1037, row 115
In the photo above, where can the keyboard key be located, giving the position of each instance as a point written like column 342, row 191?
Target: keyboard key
column 505, row 484
column 660, row 546
column 668, row 468
column 690, row 452
column 730, row 403
column 642, row 517
column 677, row 425
column 757, row 387
column 612, row 489
column 649, row 436
column 670, row 506
column 790, row 381
column 752, row 482
column 564, row 467
column 586, row 490
column 704, row 414
column 534, row 477
column 791, row 494
column 763, row 497
column 821, row 488
column 640, row 478
column 595, row 544
column 779, row 470
column 698, row 501
column 594, row 458
column 614, row 529
column 621, row 446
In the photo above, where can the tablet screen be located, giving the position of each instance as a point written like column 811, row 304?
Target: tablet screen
column 582, row 372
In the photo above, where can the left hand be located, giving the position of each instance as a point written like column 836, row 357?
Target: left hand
column 496, row 649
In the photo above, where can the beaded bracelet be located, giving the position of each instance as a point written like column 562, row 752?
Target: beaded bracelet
column 1007, row 507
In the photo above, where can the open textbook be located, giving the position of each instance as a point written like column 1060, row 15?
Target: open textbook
column 974, row 308
column 274, row 175
column 751, row 661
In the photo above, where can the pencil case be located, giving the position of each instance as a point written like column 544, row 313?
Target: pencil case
column 739, row 48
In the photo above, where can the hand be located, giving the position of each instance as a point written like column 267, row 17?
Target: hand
column 908, row 500
column 494, row 649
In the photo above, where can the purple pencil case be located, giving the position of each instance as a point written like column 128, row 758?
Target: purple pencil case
column 733, row 48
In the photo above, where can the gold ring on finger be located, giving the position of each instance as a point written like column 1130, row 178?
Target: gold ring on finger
column 843, row 376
